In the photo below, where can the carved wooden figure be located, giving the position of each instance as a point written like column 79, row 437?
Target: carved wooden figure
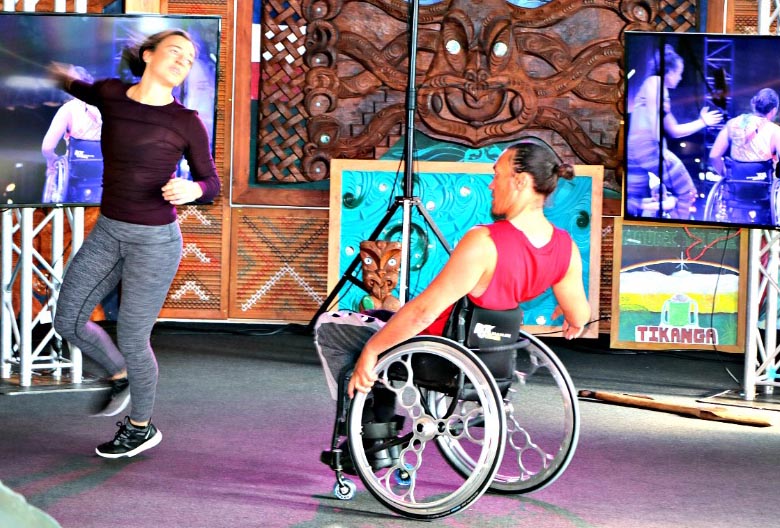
column 488, row 72
column 381, row 261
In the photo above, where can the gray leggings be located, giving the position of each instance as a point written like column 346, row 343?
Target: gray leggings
column 145, row 259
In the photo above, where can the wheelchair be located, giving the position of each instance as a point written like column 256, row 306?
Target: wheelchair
column 748, row 193
column 56, row 184
column 465, row 420
column 76, row 177
column 647, row 197
column 85, row 171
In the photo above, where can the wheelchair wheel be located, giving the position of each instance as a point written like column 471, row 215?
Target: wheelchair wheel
column 774, row 201
column 344, row 489
column 430, row 488
column 715, row 208
column 543, row 422
column 56, row 185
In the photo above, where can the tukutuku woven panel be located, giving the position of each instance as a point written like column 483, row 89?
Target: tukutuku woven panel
column 198, row 283
column 605, row 290
column 197, row 289
column 746, row 18
column 677, row 15
column 282, row 129
column 279, row 263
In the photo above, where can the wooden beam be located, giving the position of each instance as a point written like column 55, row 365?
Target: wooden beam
column 242, row 125
column 720, row 16
column 146, row 6
column 703, row 412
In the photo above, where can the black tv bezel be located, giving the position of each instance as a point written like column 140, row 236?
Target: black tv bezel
column 126, row 16
column 673, row 38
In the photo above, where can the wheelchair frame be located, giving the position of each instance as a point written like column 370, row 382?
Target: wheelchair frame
column 719, row 206
column 747, row 186
column 515, row 437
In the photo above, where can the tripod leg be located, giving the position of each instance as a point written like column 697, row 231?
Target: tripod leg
column 348, row 274
column 433, row 226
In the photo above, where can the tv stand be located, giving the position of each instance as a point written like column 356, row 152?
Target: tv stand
column 762, row 357
column 19, row 264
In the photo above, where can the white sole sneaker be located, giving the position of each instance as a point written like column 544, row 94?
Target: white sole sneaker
column 115, row 406
column 153, row 441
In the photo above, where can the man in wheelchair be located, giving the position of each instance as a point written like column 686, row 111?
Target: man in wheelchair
column 498, row 266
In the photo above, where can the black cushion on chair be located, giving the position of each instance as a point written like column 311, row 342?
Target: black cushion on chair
column 741, row 170
column 481, row 329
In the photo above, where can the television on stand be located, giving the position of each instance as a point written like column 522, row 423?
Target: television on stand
column 41, row 163
column 707, row 80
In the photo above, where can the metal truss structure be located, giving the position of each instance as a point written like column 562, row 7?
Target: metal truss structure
column 769, row 17
column 762, row 355
column 22, row 265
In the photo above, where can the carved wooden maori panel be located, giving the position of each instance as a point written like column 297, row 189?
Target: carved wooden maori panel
column 487, row 71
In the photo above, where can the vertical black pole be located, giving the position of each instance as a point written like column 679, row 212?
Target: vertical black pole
column 411, row 98
column 661, row 131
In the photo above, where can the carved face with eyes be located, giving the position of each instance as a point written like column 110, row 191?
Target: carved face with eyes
column 475, row 64
column 381, row 261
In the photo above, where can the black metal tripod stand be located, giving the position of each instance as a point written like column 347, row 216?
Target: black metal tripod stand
column 407, row 202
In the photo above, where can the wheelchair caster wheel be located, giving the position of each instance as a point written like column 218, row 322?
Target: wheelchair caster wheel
column 402, row 476
column 344, row 490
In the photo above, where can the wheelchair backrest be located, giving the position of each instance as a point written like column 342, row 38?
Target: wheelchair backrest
column 742, row 170
column 480, row 330
column 84, row 150
column 477, row 327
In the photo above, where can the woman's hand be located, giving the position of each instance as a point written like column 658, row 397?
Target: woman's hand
column 61, row 72
column 179, row 191
column 710, row 117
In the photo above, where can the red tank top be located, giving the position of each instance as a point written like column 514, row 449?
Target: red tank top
column 522, row 270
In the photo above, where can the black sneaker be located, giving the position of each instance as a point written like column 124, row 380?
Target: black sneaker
column 117, row 399
column 130, row 440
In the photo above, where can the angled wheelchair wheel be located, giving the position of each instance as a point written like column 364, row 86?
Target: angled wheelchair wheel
column 417, row 481
column 543, row 422
column 56, row 186
column 774, row 201
column 715, row 208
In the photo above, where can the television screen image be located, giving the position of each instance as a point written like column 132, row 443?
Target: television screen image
column 50, row 142
column 708, row 154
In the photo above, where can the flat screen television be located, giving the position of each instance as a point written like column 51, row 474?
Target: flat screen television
column 71, row 172
column 682, row 183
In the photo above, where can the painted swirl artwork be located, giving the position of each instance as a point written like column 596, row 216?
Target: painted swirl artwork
column 455, row 197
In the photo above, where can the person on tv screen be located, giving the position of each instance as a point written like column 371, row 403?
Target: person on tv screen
column 498, row 266
column 752, row 140
column 644, row 148
column 136, row 239
column 75, row 122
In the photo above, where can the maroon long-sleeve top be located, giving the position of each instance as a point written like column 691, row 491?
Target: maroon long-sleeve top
column 142, row 145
